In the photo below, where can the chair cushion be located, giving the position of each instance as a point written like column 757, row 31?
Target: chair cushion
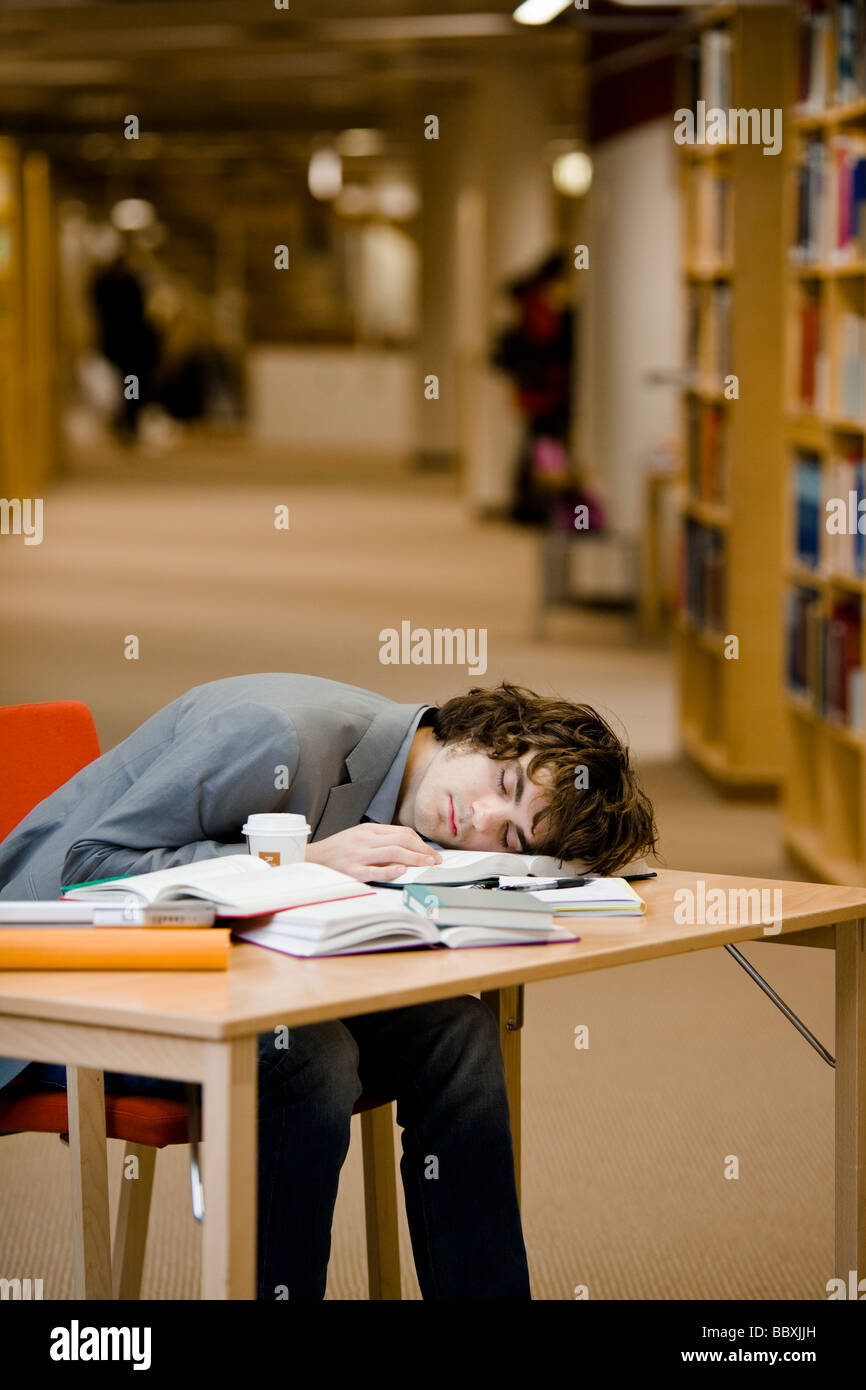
column 137, row 1119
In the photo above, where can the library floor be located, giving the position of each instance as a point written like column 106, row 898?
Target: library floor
column 625, row 1144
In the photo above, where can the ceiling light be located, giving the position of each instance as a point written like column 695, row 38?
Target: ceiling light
column 325, row 174
column 132, row 214
column 540, row 11
column 572, row 173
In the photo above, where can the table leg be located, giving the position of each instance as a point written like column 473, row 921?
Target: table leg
column 230, row 1093
column 851, row 1100
column 88, row 1154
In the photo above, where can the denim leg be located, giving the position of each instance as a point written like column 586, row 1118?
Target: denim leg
column 307, row 1090
column 444, row 1064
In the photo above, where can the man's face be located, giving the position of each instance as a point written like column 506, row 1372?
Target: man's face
column 467, row 800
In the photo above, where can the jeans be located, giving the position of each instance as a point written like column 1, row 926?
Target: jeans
column 443, row 1064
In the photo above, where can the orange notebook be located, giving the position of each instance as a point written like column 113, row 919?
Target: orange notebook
column 113, row 948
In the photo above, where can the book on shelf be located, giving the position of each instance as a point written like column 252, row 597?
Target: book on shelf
column 704, row 596
column 850, row 49
column 824, row 664
column 814, row 364
column 712, row 227
column 832, row 54
column 814, row 57
column 851, row 366
column 831, row 201
column 719, row 333
column 693, row 330
column 239, row 885
column 809, row 512
column 843, row 512
column 706, row 451
column 715, row 68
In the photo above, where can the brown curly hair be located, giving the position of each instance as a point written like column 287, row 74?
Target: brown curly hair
column 604, row 820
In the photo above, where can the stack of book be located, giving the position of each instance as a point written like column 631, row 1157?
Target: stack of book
column 824, row 661
column 446, row 905
column 161, row 920
column 300, row 910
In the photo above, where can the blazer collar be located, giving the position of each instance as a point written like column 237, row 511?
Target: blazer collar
column 367, row 766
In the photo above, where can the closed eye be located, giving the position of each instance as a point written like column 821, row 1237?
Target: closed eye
column 504, row 840
column 517, row 793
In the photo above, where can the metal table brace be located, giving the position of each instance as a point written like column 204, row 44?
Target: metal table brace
column 780, row 1004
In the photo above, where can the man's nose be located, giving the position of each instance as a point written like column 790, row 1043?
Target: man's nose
column 483, row 813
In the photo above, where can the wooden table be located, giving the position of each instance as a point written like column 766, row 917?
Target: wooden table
column 203, row 1027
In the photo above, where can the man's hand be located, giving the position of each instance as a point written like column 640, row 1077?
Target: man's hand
column 373, row 851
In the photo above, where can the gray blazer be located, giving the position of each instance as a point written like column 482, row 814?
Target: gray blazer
column 180, row 787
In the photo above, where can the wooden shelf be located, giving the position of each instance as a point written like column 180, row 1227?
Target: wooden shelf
column 707, row 391
column 719, row 270
column 807, row 845
column 838, row 424
column 831, row 116
column 826, row 579
column 735, row 282
column 28, row 398
column 713, row 759
column 825, row 767
column 802, row 708
column 714, row 514
column 823, row 270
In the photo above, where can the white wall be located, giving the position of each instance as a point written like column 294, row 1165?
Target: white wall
column 322, row 397
column 632, row 312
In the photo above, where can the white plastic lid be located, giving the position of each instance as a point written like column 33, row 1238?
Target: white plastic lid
column 276, row 824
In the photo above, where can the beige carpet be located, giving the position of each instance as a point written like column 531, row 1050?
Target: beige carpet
column 625, row 1144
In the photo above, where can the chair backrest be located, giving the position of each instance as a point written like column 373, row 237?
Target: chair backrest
column 41, row 747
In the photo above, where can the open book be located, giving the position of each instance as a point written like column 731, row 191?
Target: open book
column 467, row 866
column 239, row 885
column 382, row 922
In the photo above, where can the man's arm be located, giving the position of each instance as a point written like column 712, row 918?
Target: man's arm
column 191, row 801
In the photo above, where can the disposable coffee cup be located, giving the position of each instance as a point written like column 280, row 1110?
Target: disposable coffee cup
column 277, row 839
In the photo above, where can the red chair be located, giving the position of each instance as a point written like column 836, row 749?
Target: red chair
column 41, row 747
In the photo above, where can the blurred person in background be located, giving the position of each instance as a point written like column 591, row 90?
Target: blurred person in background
column 537, row 353
column 127, row 338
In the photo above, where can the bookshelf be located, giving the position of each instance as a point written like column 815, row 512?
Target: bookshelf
column 825, row 448
column 731, row 532
column 28, row 410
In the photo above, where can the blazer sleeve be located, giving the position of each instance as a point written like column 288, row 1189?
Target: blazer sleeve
column 192, row 799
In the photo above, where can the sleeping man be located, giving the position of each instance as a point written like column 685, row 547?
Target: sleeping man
column 382, row 784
